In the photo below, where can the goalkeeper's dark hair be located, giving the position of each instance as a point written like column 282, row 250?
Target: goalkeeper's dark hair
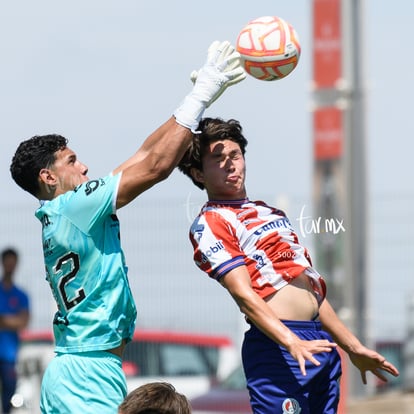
column 211, row 130
column 31, row 156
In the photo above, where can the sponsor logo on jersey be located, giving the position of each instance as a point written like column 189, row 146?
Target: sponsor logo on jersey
column 211, row 250
column 259, row 261
column 197, row 231
column 291, row 406
column 274, row 225
column 47, row 247
column 92, row 185
column 45, row 220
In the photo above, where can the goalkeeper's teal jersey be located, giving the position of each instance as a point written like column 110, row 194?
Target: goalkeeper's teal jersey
column 85, row 268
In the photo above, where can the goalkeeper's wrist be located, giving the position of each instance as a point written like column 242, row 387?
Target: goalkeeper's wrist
column 189, row 113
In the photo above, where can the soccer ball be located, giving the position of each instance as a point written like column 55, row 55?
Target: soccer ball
column 269, row 48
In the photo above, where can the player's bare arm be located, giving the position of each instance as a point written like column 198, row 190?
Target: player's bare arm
column 237, row 282
column 363, row 358
column 153, row 162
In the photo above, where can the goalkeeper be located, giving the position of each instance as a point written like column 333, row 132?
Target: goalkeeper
column 84, row 261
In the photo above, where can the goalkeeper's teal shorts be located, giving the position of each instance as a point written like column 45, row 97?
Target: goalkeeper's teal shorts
column 83, row 383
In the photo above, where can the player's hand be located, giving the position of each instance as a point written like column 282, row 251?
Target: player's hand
column 222, row 69
column 368, row 360
column 304, row 351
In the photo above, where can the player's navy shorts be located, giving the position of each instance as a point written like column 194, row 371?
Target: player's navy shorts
column 275, row 382
column 83, row 383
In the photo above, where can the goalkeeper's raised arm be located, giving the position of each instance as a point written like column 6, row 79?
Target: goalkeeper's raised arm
column 163, row 149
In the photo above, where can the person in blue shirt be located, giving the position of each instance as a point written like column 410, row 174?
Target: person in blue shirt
column 14, row 316
column 85, row 264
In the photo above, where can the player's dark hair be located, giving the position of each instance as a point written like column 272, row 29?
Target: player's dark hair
column 9, row 251
column 211, row 130
column 31, row 156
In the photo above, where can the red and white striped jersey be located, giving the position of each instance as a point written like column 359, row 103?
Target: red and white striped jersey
column 228, row 234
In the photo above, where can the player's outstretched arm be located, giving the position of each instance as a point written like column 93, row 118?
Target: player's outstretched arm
column 237, row 282
column 363, row 358
column 162, row 150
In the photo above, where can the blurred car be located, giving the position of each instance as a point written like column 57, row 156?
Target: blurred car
column 227, row 396
column 189, row 361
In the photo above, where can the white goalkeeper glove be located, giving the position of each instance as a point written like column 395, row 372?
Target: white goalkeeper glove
column 221, row 70
column 232, row 63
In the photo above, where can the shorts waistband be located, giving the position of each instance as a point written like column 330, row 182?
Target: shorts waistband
column 302, row 325
column 92, row 354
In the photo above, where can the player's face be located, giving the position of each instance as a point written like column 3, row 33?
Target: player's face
column 9, row 264
column 68, row 170
column 224, row 171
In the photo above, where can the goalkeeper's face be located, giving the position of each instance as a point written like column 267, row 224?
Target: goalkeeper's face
column 223, row 172
column 65, row 174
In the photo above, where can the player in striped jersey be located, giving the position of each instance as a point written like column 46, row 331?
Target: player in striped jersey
column 84, row 260
column 289, row 357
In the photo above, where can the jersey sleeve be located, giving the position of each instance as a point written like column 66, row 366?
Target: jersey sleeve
column 216, row 247
column 92, row 202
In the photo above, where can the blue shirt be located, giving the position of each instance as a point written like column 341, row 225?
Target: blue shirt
column 86, row 268
column 12, row 302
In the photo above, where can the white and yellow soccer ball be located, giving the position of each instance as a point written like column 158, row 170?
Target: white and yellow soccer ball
column 269, row 48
